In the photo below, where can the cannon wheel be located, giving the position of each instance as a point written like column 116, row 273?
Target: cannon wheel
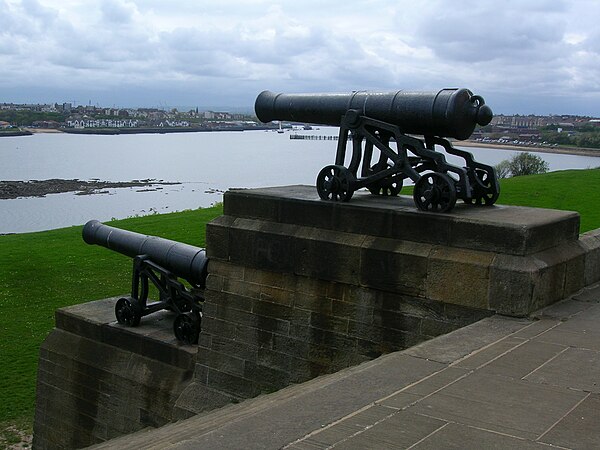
column 388, row 187
column 483, row 193
column 435, row 192
column 128, row 311
column 187, row 328
column 335, row 183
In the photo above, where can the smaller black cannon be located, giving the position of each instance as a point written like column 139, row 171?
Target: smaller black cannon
column 161, row 262
column 387, row 122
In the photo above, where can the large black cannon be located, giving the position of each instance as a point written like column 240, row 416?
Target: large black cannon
column 161, row 262
column 381, row 120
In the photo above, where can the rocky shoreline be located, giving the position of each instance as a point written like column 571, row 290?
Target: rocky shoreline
column 40, row 188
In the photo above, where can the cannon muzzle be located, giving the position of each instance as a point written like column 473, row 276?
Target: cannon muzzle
column 183, row 260
column 446, row 113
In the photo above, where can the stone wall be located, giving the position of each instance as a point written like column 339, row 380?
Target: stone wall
column 264, row 330
column 98, row 380
column 298, row 287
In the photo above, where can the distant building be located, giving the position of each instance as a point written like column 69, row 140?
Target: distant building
column 174, row 123
column 89, row 122
column 215, row 115
column 528, row 122
column 65, row 107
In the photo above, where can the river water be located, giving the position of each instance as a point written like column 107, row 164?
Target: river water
column 206, row 164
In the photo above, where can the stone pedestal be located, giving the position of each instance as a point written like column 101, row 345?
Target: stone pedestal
column 299, row 287
column 98, row 380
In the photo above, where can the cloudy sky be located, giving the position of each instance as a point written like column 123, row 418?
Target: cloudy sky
column 522, row 56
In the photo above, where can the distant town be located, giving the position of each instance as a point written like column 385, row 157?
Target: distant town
column 27, row 118
column 520, row 130
column 542, row 131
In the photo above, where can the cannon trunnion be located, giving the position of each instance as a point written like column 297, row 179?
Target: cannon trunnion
column 386, row 122
column 160, row 262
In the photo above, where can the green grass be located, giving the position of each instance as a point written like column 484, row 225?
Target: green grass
column 569, row 190
column 40, row 272
column 572, row 190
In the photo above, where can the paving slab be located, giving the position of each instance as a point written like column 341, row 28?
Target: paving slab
column 353, row 425
column 439, row 380
column 587, row 338
column 536, row 328
column 500, row 404
column 574, row 368
column 588, row 318
column 579, row 429
column 489, row 353
column 563, row 310
column 461, row 437
column 589, row 294
column 462, row 342
column 400, row 400
column 524, row 359
column 400, row 431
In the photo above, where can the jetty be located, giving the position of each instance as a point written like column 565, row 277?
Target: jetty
column 314, row 137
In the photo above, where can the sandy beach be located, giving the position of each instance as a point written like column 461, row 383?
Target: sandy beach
column 41, row 130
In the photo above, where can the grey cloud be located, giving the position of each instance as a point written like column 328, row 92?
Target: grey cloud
column 265, row 40
column 35, row 10
column 117, row 12
column 495, row 33
column 235, row 49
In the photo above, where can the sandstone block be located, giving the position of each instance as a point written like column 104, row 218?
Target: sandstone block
column 459, row 276
column 392, row 265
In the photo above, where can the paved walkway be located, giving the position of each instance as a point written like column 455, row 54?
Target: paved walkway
column 499, row 383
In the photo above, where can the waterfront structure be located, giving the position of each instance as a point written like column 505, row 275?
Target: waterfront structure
column 88, row 122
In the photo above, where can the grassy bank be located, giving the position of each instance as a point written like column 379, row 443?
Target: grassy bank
column 40, row 272
column 572, row 190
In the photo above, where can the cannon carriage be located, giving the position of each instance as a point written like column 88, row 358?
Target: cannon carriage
column 158, row 262
column 381, row 129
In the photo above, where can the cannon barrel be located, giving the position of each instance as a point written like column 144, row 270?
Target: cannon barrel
column 446, row 113
column 183, row 260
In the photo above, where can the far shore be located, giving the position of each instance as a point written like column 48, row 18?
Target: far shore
column 468, row 143
column 533, row 149
column 146, row 130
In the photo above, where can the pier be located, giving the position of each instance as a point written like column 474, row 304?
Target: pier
column 313, row 137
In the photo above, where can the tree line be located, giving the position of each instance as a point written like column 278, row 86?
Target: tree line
column 587, row 136
column 26, row 118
